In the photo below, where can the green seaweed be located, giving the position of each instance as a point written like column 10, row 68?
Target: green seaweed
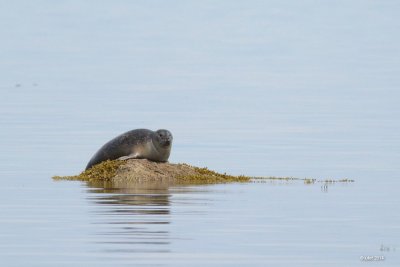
column 332, row 181
column 104, row 171
column 305, row 180
column 204, row 175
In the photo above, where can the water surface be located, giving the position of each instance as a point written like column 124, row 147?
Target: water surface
column 261, row 88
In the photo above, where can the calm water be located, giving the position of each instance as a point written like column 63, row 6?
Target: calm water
column 262, row 88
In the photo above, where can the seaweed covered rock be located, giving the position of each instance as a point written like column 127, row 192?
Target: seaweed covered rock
column 142, row 170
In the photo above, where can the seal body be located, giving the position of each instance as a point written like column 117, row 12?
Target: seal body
column 138, row 144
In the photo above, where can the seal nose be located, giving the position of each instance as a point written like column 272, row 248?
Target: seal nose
column 167, row 142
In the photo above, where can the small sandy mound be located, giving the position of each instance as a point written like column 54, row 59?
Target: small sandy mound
column 142, row 170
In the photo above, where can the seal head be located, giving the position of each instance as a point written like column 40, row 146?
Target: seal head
column 162, row 142
column 136, row 144
column 163, row 138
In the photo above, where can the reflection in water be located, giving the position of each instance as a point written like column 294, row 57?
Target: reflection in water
column 324, row 188
column 136, row 217
column 131, row 218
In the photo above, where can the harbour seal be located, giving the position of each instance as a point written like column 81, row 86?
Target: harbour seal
column 136, row 144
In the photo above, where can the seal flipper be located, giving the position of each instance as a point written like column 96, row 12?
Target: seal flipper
column 127, row 157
